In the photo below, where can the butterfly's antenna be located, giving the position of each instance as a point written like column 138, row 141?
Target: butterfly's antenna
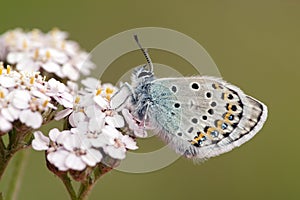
column 145, row 52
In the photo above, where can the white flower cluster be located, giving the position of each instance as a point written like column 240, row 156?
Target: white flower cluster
column 45, row 52
column 94, row 135
column 27, row 98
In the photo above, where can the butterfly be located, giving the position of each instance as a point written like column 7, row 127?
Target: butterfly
column 200, row 116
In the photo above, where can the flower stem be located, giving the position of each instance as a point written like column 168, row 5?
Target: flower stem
column 12, row 147
column 89, row 183
column 67, row 182
column 85, row 189
column 17, row 175
column 2, row 157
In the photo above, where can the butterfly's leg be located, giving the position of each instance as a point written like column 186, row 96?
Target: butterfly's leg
column 120, row 98
column 146, row 114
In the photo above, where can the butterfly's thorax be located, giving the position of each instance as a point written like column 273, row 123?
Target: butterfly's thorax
column 141, row 96
column 151, row 102
column 140, row 99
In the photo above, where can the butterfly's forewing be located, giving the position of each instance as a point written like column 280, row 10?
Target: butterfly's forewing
column 204, row 116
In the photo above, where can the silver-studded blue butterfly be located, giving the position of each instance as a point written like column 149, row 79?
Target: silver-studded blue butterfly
column 200, row 117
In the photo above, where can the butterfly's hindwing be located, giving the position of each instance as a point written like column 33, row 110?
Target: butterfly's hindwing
column 204, row 116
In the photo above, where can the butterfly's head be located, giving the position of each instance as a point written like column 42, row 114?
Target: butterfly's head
column 142, row 74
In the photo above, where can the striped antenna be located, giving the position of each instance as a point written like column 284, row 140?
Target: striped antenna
column 145, row 52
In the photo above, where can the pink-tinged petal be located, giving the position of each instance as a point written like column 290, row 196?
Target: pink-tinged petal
column 94, row 110
column 13, row 112
column 115, row 121
column 4, row 124
column 28, row 65
column 58, row 159
column 56, row 86
column 96, row 125
column 70, row 72
column 7, row 82
column 137, row 129
column 90, row 83
column 31, row 119
column 40, row 141
column 71, row 48
column 39, row 94
column 51, row 67
column 129, row 142
column 114, row 152
column 63, row 113
column 21, row 99
column 127, row 116
column 73, row 86
column 101, row 141
column 59, row 56
column 76, row 117
column 71, row 142
column 82, row 127
column 53, row 134
column 140, row 132
column 6, row 114
column 75, row 162
column 75, row 131
column 66, row 103
column 14, row 57
column 63, row 98
column 61, row 136
column 100, row 101
column 92, row 157
column 112, row 132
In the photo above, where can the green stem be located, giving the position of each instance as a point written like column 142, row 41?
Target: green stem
column 5, row 157
column 2, row 146
column 17, row 175
column 87, row 186
column 12, row 147
column 2, row 157
column 85, row 189
column 67, row 182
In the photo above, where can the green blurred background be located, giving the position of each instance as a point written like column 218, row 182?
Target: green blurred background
column 255, row 45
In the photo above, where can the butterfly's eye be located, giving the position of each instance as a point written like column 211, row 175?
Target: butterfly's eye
column 145, row 74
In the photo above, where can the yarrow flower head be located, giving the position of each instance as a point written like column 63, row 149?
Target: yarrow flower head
column 50, row 53
column 95, row 131
column 25, row 98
